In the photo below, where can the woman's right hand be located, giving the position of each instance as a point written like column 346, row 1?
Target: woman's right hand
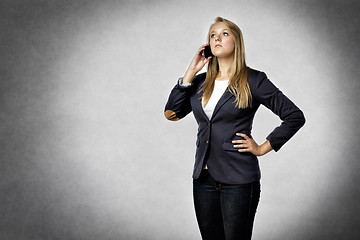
column 196, row 64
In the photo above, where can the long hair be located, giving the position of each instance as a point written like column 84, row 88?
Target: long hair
column 238, row 82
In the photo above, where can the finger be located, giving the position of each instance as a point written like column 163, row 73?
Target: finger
column 244, row 150
column 243, row 145
column 243, row 135
column 207, row 60
column 203, row 46
column 238, row 141
column 200, row 51
column 240, row 146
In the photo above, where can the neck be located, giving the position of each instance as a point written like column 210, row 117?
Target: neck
column 224, row 67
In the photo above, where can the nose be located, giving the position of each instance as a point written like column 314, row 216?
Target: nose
column 217, row 39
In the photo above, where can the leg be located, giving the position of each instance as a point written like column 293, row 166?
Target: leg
column 238, row 205
column 207, row 208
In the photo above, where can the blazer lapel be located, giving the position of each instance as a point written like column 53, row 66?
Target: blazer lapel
column 224, row 98
column 198, row 105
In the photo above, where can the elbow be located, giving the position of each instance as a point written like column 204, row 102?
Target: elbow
column 302, row 119
column 171, row 115
column 296, row 120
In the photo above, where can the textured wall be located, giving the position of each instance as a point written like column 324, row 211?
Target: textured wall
column 85, row 152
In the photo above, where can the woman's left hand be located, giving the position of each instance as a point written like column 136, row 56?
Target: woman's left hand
column 249, row 145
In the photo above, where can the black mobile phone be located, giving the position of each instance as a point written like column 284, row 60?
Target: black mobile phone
column 207, row 52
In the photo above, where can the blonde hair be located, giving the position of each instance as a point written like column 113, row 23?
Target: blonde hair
column 238, row 82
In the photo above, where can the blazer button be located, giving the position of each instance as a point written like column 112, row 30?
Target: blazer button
column 207, row 141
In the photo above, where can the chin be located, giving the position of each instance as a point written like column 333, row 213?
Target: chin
column 223, row 55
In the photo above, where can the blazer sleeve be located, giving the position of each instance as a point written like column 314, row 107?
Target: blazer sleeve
column 292, row 117
column 178, row 104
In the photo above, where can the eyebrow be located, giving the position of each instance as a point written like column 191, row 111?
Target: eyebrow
column 221, row 30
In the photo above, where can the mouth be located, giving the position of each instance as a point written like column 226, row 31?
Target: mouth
column 218, row 45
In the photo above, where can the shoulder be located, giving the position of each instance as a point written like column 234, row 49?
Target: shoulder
column 256, row 78
column 259, row 83
column 255, row 75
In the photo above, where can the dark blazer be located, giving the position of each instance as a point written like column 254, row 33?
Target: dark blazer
column 213, row 144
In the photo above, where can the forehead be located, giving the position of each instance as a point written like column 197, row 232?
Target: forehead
column 219, row 26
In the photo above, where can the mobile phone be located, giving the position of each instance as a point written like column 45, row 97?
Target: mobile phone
column 207, row 52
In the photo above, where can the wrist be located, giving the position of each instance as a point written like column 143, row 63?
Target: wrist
column 189, row 76
column 261, row 150
column 264, row 148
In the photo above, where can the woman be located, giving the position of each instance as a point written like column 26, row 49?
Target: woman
column 224, row 100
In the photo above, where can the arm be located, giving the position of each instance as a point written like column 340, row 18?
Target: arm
column 292, row 117
column 178, row 104
column 271, row 97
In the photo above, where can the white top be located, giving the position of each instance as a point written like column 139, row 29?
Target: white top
column 219, row 89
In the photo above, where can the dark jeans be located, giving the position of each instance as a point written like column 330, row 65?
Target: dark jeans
column 224, row 211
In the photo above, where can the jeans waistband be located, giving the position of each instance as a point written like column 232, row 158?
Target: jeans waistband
column 205, row 175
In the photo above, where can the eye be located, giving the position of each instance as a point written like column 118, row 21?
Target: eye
column 225, row 34
column 212, row 35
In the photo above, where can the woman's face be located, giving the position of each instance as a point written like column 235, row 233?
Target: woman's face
column 222, row 42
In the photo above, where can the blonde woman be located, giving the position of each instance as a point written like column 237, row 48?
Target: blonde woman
column 226, row 177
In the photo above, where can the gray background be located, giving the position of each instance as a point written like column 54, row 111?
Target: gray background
column 85, row 152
